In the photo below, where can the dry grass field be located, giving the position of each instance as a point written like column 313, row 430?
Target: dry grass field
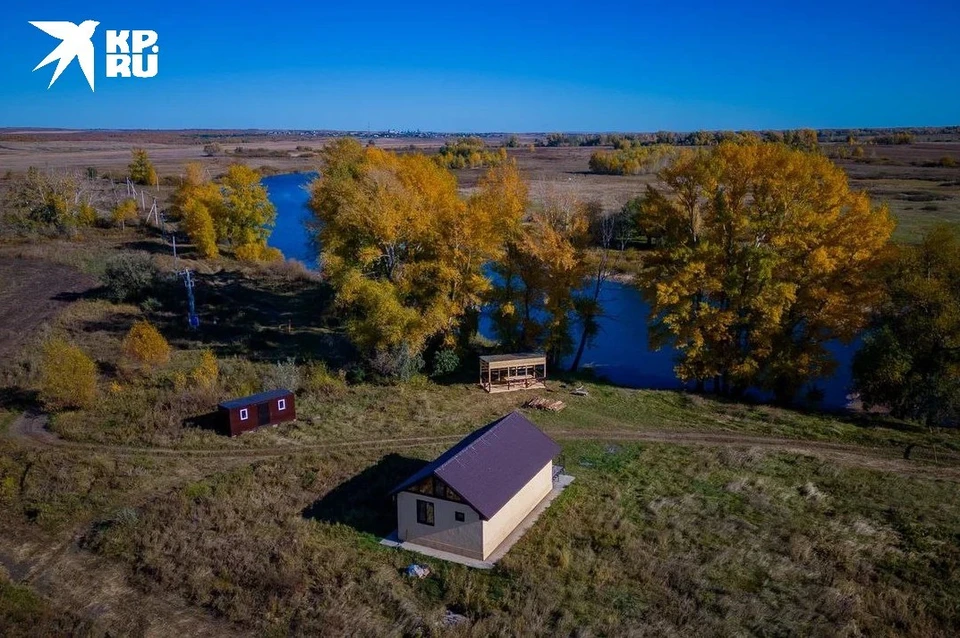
column 689, row 515
column 909, row 178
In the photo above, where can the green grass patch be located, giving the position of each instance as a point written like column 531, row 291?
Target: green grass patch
column 24, row 613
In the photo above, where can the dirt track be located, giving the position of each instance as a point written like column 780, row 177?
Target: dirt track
column 31, row 429
column 63, row 570
column 31, row 292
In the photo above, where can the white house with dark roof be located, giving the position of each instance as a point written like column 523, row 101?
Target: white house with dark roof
column 475, row 495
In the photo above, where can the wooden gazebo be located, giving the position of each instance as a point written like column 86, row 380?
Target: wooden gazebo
column 506, row 372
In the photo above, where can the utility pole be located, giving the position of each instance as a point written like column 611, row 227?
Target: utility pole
column 192, row 319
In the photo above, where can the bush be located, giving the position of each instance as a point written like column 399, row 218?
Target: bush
column 445, row 362
column 86, row 214
column 207, row 372
column 68, row 377
column 257, row 252
column 145, row 344
column 397, row 363
column 319, row 380
column 129, row 278
column 283, row 374
column 239, row 377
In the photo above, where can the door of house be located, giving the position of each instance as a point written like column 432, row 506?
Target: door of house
column 263, row 413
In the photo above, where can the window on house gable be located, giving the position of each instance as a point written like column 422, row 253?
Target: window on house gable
column 459, row 516
column 281, row 404
column 425, row 512
column 244, row 414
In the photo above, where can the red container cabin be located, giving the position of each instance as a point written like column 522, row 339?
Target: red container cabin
column 266, row 408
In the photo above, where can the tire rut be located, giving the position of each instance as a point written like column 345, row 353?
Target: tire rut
column 31, row 428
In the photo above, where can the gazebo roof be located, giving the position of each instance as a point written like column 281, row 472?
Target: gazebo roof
column 520, row 357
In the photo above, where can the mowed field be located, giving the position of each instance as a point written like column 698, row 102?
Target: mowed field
column 911, row 178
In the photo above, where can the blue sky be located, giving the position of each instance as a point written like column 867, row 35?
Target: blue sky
column 489, row 66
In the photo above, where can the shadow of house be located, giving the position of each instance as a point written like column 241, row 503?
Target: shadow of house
column 212, row 421
column 363, row 502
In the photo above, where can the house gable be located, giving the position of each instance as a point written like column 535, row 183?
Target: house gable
column 436, row 487
column 491, row 465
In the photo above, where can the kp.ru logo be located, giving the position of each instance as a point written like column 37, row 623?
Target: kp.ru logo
column 130, row 53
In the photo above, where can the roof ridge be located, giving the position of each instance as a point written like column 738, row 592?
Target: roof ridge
column 490, row 427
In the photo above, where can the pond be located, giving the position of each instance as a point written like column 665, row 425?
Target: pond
column 619, row 353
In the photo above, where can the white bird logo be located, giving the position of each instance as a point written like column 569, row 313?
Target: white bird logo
column 76, row 44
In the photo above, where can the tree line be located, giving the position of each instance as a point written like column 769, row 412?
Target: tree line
column 412, row 262
column 763, row 254
column 469, row 152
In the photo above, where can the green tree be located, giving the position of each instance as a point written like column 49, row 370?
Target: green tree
column 910, row 359
column 764, row 255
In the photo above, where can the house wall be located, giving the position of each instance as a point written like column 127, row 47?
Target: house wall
column 237, row 426
column 516, row 509
column 447, row 534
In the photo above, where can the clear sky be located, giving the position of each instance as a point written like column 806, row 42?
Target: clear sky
column 490, row 66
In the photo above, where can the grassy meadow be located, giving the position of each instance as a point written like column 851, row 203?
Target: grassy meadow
column 276, row 532
column 651, row 539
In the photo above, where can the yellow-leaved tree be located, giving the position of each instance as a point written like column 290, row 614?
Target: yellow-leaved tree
column 198, row 224
column 207, row 372
column 765, row 254
column 68, row 377
column 141, row 168
column 235, row 211
column 198, row 201
column 539, row 274
column 145, row 344
column 86, row 214
column 404, row 252
column 124, row 212
column 246, row 217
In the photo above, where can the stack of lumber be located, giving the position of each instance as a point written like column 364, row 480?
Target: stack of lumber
column 541, row 403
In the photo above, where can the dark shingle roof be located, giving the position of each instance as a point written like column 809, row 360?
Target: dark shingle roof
column 260, row 397
column 489, row 466
column 495, row 358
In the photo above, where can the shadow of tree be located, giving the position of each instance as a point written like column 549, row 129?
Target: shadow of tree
column 363, row 502
column 266, row 318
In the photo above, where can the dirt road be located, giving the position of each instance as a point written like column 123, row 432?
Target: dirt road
column 31, row 429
